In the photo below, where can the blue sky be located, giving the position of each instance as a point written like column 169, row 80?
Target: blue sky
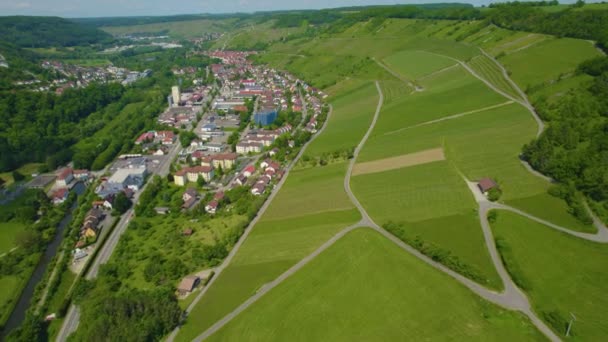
column 101, row 8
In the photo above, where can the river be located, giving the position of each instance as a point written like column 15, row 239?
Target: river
column 18, row 314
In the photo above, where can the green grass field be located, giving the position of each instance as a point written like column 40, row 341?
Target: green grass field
column 563, row 274
column 8, row 284
column 365, row 288
column 272, row 247
column 8, row 233
column 415, row 64
column 551, row 60
column 445, row 94
column 181, row 29
column 351, row 116
column 301, row 193
column 487, row 69
column 433, row 203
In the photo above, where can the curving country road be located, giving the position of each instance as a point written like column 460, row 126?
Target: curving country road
column 250, row 227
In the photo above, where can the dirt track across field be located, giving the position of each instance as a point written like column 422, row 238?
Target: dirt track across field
column 405, row 160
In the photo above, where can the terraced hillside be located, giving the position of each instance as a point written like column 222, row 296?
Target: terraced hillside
column 448, row 115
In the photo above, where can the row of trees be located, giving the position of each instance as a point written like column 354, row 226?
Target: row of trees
column 583, row 24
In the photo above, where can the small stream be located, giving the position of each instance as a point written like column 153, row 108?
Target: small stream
column 18, row 314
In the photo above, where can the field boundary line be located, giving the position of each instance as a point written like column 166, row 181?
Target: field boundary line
column 434, row 73
column 451, row 117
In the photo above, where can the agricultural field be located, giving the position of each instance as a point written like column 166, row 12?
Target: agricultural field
column 487, row 69
column 552, row 59
column 433, row 204
column 375, row 292
column 569, row 277
column 8, row 284
column 351, row 116
column 300, row 194
column 445, row 94
column 176, row 29
column 464, row 138
column 8, row 233
column 413, row 64
column 272, row 247
column 253, row 36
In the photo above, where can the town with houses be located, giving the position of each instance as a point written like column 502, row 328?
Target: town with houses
column 240, row 139
column 77, row 76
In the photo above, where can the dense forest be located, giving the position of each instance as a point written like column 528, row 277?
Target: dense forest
column 589, row 24
column 574, row 148
column 48, row 31
column 36, row 127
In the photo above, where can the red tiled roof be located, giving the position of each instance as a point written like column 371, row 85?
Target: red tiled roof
column 65, row 173
column 486, row 184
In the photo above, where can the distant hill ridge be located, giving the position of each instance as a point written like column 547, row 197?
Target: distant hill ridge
column 35, row 32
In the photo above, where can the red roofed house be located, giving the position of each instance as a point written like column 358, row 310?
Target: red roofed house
column 486, row 184
column 219, row 196
column 167, row 137
column 248, row 171
column 274, row 166
column 187, row 285
column 65, row 177
column 145, row 137
column 59, row 196
column 258, row 189
column 211, row 207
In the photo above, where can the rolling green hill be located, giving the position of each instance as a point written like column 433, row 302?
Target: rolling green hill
column 48, row 31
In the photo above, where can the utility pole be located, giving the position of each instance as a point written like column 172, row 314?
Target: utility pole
column 572, row 319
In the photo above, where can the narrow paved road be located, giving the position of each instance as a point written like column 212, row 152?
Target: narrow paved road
column 250, row 227
column 72, row 318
